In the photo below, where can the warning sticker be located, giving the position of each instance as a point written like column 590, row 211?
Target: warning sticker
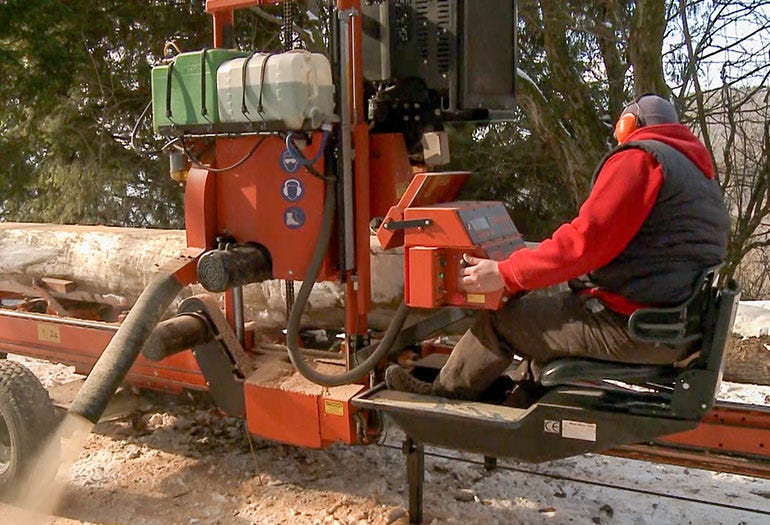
column 48, row 333
column 289, row 163
column 334, row 408
column 578, row 430
column 292, row 190
column 294, row 218
column 475, row 298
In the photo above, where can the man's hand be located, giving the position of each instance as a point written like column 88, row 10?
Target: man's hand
column 481, row 276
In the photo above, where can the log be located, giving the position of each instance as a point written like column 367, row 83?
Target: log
column 113, row 265
column 748, row 351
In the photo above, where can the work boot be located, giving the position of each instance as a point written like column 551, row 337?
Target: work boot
column 525, row 394
column 398, row 378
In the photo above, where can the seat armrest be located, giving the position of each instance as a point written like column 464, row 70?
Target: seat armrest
column 679, row 324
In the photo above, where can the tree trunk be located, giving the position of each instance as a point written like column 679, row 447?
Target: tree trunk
column 648, row 27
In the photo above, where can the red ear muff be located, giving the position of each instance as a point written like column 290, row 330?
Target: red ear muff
column 626, row 124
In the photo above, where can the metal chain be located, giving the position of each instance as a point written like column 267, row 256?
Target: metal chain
column 289, row 296
column 289, row 10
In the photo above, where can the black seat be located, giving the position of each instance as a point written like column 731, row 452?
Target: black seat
column 703, row 321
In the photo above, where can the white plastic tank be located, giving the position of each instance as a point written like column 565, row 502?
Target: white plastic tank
column 292, row 89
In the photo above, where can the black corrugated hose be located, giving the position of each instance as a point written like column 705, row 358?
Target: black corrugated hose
column 113, row 365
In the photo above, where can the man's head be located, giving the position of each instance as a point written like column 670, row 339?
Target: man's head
column 646, row 110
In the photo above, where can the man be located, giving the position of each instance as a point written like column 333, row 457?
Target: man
column 654, row 220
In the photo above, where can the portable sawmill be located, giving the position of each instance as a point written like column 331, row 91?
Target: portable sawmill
column 289, row 159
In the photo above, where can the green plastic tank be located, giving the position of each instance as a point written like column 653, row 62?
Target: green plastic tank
column 184, row 92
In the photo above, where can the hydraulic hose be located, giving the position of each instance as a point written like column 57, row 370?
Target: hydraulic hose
column 292, row 330
column 113, row 365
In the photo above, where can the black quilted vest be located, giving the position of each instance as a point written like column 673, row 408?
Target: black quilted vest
column 685, row 232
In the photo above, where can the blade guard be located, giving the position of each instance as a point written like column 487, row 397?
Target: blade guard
column 425, row 189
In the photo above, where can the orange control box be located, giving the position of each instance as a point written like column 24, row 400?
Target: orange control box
column 435, row 239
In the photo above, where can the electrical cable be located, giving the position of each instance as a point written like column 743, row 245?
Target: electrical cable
column 135, row 132
column 198, row 164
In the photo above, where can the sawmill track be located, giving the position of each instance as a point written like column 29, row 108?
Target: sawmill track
column 432, row 453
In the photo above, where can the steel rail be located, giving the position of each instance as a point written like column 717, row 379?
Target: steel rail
column 733, row 437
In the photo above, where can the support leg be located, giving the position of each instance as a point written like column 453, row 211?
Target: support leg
column 415, row 475
column 490, row 463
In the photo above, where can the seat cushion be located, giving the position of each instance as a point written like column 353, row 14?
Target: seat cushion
column 575, row 371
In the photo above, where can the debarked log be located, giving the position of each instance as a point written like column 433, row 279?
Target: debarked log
column 108, row 265
column 112, row 266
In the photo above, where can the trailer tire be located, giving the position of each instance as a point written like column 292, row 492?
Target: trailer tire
column 27, row 420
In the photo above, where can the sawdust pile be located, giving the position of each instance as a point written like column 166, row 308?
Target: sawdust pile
column 748, row 360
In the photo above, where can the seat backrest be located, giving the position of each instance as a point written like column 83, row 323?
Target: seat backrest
column 680, row 324
column 696, row 387
column 718, row 321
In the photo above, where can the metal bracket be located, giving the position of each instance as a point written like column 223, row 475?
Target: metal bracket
column 222, row 359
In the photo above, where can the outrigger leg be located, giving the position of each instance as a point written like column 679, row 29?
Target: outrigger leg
column 415, row 475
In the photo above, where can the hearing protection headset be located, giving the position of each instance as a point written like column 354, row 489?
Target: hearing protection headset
column 629, row 121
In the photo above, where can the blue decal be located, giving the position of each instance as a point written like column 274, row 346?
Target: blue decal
column 294, row 218
column 289, row 163
column 292, row 190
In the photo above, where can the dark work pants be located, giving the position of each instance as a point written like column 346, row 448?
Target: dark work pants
column 542, row 327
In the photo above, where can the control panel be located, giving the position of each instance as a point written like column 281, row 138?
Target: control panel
column 435, row 239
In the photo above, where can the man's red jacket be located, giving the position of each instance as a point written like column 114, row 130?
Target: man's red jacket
column 622, row 197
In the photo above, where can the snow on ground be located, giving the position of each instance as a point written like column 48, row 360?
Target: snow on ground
column 743, row 393
column 752, row 319
column 177, row 463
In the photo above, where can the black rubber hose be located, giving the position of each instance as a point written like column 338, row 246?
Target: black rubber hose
column 113, row 365
column 292, row 329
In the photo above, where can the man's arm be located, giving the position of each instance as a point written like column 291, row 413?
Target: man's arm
column 623, row 196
